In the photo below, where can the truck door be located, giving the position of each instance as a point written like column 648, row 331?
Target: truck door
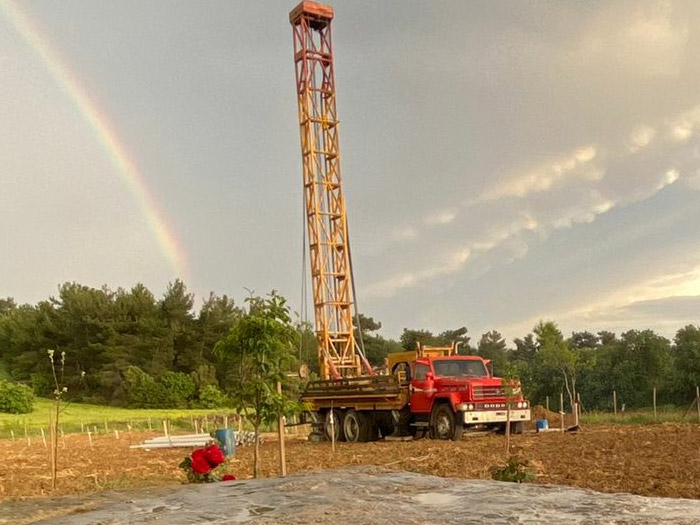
column 422, row 389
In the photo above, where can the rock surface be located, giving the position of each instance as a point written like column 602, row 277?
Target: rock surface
column 374, row 496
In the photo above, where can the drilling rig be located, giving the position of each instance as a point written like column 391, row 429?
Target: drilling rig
column 428, row 390
column 324, row 202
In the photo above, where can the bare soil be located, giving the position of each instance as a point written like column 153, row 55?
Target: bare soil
column 652, row 460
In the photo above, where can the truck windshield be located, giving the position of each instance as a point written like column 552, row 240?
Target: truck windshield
column 460, row 368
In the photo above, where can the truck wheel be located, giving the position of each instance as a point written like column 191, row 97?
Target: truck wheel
column 337, row 427
column 444, row 424
column 356, row 427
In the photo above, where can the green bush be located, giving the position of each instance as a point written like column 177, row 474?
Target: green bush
column 211, row 397
column 15, row 398
column 180, row 388
column 515, row 471
column 143, row 391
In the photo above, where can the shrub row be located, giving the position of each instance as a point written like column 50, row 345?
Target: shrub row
column 171, row 390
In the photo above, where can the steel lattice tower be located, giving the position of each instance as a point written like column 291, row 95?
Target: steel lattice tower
column 325, row 211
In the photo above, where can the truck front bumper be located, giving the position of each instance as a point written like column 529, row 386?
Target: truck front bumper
column 495, row 416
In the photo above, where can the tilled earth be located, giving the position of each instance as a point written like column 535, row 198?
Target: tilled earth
column 652, row 460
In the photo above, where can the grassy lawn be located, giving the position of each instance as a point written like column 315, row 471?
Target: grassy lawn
column 641, row 417
column 77, row 415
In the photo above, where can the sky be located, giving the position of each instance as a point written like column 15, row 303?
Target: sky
column 503, row 162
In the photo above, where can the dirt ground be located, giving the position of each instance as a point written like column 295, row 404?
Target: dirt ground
column 652, row 460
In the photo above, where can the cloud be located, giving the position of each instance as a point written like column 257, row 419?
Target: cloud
column 666, row 299
column 641, row 138
column 649, row 41
column 684, row 126
column 442, row 217
column 555, row 214
column 404, row 234
column 693, row 181
column 546, row 176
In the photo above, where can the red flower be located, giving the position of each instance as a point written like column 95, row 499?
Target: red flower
column 214, row 455
column 200, row 465
column 228, row 477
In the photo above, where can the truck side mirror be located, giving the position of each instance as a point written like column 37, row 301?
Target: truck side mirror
column 429, row 376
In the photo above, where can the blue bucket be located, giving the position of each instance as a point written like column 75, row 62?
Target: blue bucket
column 542, row 424
column 226, row 441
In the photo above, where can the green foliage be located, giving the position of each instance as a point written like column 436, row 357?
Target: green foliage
column 180, row 388
column 104, row 332
column 143, row 390
column 492, row 346
column 410, row 338
column 515, row 471
column 15, row 398
column 261, row 348
column 211, row 397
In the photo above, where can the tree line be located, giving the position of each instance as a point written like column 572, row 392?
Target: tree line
column 128, row 348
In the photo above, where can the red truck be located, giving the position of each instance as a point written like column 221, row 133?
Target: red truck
column 430, row 391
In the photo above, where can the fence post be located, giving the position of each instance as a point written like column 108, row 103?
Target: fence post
column 697, row 400
column 654, row 403
column 614, row 402
column 280, row 435
column 547, row 403
column 561, row 410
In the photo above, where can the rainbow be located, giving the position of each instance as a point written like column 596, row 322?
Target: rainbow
column 106, row 136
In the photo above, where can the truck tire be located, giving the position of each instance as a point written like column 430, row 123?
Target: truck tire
column 336, row 427
column 444, row 423
column 356, row 427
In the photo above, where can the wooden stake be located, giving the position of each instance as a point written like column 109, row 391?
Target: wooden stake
column 547, row 403
column 507, row 426
column 89, row 437
column 106, row 427
column 26, row 435
column 561, row 410
column 165, row 428
column 332, row 416
column 149, row 424
column 12, row 433
column 54, row 446
column 697, row 400
column 654, row 403
column 82, row 427
column 614, row 402
column 280, row 435
column 43, row 438
column 196, row 426
column 225, row 421
column 116, row 434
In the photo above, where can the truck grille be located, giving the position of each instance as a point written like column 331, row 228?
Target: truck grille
column 483, row 392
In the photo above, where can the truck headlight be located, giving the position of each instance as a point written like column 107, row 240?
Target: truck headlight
column 465, row 407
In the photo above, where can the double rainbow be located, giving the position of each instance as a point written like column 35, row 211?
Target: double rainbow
column 107, row 137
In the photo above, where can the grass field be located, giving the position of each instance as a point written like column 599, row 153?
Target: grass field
column 75, row 416
column 641, row 417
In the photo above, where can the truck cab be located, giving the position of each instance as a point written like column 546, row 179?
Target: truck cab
column 450, row 393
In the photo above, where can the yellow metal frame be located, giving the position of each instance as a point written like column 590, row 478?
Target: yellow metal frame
column 325, row 210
